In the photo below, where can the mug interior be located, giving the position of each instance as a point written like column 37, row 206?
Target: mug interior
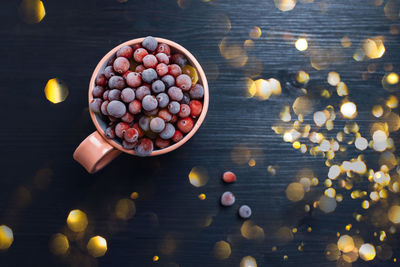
column 101, row 125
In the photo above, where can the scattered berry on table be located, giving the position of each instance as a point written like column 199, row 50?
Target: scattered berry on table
column 229, row 177
column 244, row 211
column 227, row 199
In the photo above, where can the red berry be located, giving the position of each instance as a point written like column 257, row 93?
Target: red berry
column 98, row 91
column 121, row 65
column 162, row 58
column 140, row 131
column 179, row 59
column 135, row 107
column 162, row 143
column 174, row 70
column 101, row 80
column 126, row 73
column 229, row 177
column 128, row 117
column 121, row 128
column 105, row 94
column 125, row 51
column 185, row 125
column 163, row 48
column 177, row 136
column 103, row 107
column 184, row 82
column 140, row 68
column 134, row 79
column 227, row 199
column 165, row 115
column 150, row 61
column 139, row 54
column 136, row 46
column 184, row 111
column 144, row 148
column 110, row 132
column 128, row 145
column 131, row 135
column 195, row 108
column 161, row 69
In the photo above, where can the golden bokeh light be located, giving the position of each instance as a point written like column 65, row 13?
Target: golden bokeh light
column 327, row 204
column 348, row 110
column 6, row 237
column 125, row 209
column 333, row 78
column 263, row 89
column 302, row 105
column 392, row 9
column 377, row 111
column 255, row 32
column 367, row 252
column 394, row 214
column 284, row 234
column 361, row 143
column 134, row 195
column 156, row 258
column 374, row 47
column 77, row 220
column 59, row 244
column 301, row 44
column 56, row 91
column 341, row 89
column 32, row 11
column 248, row 261
column 240, row 154
column 302, row 77
column 198, row 176
column 248, row 44
column 222, row 250
column 295, row 192
column 285, row 5
column 345, row 41
column 251, row 231
column 275, row 85
column 97, row 246
column 332, row 252
column 390, row 82
column 392, row 102
column 345, row 243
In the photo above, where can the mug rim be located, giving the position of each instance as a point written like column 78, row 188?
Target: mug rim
column 193, row 62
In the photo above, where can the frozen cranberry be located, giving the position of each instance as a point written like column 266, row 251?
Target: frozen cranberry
column 174, row 70
column 137, row 127
column 169, row 80
column 110, row 132
column 163, row 48
column 185, row 125
column 175, row 93
column 128, row 118
column 116, row 109
column 227, row 199
column 103, row 107
column 158, row 86
column 162, row 99
column 144, row 148
column 139, row 54
column 174, row 118
column 126, row 74
column 162, row 58
column 135, row 107
column 95, row 105
column 184, row 111
column 229, row 177
column 136, row 46
column 111, row 60
column 144, row 123
column 161, row 69
column 177, row 136
column 114, row 94
column 168, row 131
column 244, row 211
column 179, row 59
column 140, row 68
column 116, row 82
column 128, row 145
column 197, row 91
column 165, row 115
column 131, row 135
column 101, row 80
column 121, row 65
column 125, row 51
column 121, row 128
column 134, row 79
column 174, row 107
column 195, row 108
column 105, row 94
column 127, row 95
column 109, row 72
column 149, row 75
column 98, row 91
column 112, row 119
column 162, row 143
column 157, row 125
column 149, row 102
column 184, row 82
column 150, row 43
column 141, row 92
column 150, row 61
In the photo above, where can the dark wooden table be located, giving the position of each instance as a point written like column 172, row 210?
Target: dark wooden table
column 40, row 183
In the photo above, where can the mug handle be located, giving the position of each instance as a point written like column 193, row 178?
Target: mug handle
column 94, row 153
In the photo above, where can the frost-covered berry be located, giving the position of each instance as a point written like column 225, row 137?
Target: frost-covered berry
column 135, row 107
column 137, row 127
column 164, row 48
column 175, row 93
column 185, row 125
column 184, row 111
column 197, row 91
column 157, row 125
column 150, row 61
column 131, row 135
column 144, row 123
column 169, row 80
column 116, row 109
column 95, row 105
column 128, row 145
column 177, row 136
column 162, row 58
column 179, row 59
column 121, row 128
column 139, row 54
column 98, row 91
column 103, row 107
column 149, row 75
column 109, row 72
column 110, row 132
column 168, row 131
column 150, row 43
column 161, row 69
column 227, row 199
column 114, row 94
column 116, row 82
column 174, row 107
column 101, row 80
column 128, row 118
column 127, row 95
column 121, row 65
column 140, row 68
column 144, row 148
column 141, row 92
column 158, row 86
column 229, row 177
column 162, row 99
column 134, row 79
column 165, row 115
column 149, row 102
column 184, row 82
column 244, row 211
column 174, row 70
column 126, row 51
column 162, row 143
column 105, row 94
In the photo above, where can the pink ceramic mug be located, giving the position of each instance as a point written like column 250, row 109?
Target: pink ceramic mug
column 96, row 151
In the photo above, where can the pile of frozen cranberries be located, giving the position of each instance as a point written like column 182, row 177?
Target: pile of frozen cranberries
column 148, row 95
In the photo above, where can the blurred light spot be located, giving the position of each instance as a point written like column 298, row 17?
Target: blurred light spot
column 295, row 192
column 134, row 195
column 56, row 91
column 345, row 41
column 240, row 154
column 248, row 261
column 97, row 246
column 255, row 32
column 394, row 214
column 330, row 192
column 202, row 196
column 345, row 243
column 361, row 143
column 301, row 44
column 125, row 209
column 392, row 9
column 251, row 231
column 319, row 118
column 384, row 252
column 252, row 163
column 327, row 204
column 77, row 220
column 390, row 82
column 198, row 176
column 222, row 250
column 32, row 11
column 284, row 234
column 263, row 89
column 341, row 89
column 333, row 78
column 392, row 102
column 168, row 245
column 285, row 257
column 285, row 5
column 155, row 258
column 377, row 111
column 275, row 86
column 374, row 47
column 183, row 3
column 253, row 67
column 59, row 244
column 332, row 252
column 365, row 204
column 367, row 252
column 6, row 237
column 302, row 77
column 349, row 110
column 251, row 88
column 271, row 169
column 248, row 44
column 302, row 105
column 306, row 183
column 284, row 115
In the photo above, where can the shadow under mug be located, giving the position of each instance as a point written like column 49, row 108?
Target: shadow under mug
column 96, row 151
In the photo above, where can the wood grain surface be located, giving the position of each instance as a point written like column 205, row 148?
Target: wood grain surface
column 67, row 44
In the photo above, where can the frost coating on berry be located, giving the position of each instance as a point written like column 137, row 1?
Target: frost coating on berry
column 227, row 199
column 95, row 105
column 169, row 80
column 162, row 99
column 184, row 82
column 110, row 132
column 174, row 107
column 158, row 86
column 162, row 58
column 114, row 94
column 184, row 111
column 128, row 117
column 244, row 211
column 157, row 125
column 179, row 59
column 135, row 107
column 197, row 91
column 109, row 72
column 103, row 107
column 168, row 131
column 149, row 102
column 127, row 95
column 98, row 91
column 125, row 51
column 121, row 65
column 131, row 135
column 141, row 92
column 121, row 128
column 150, row 43
column 144, row 123
column 134, row 79
column 144, row 148
column 149, row 75
column 116, row 109
column 150, row 61
column 175, row 93
column 116, row 82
